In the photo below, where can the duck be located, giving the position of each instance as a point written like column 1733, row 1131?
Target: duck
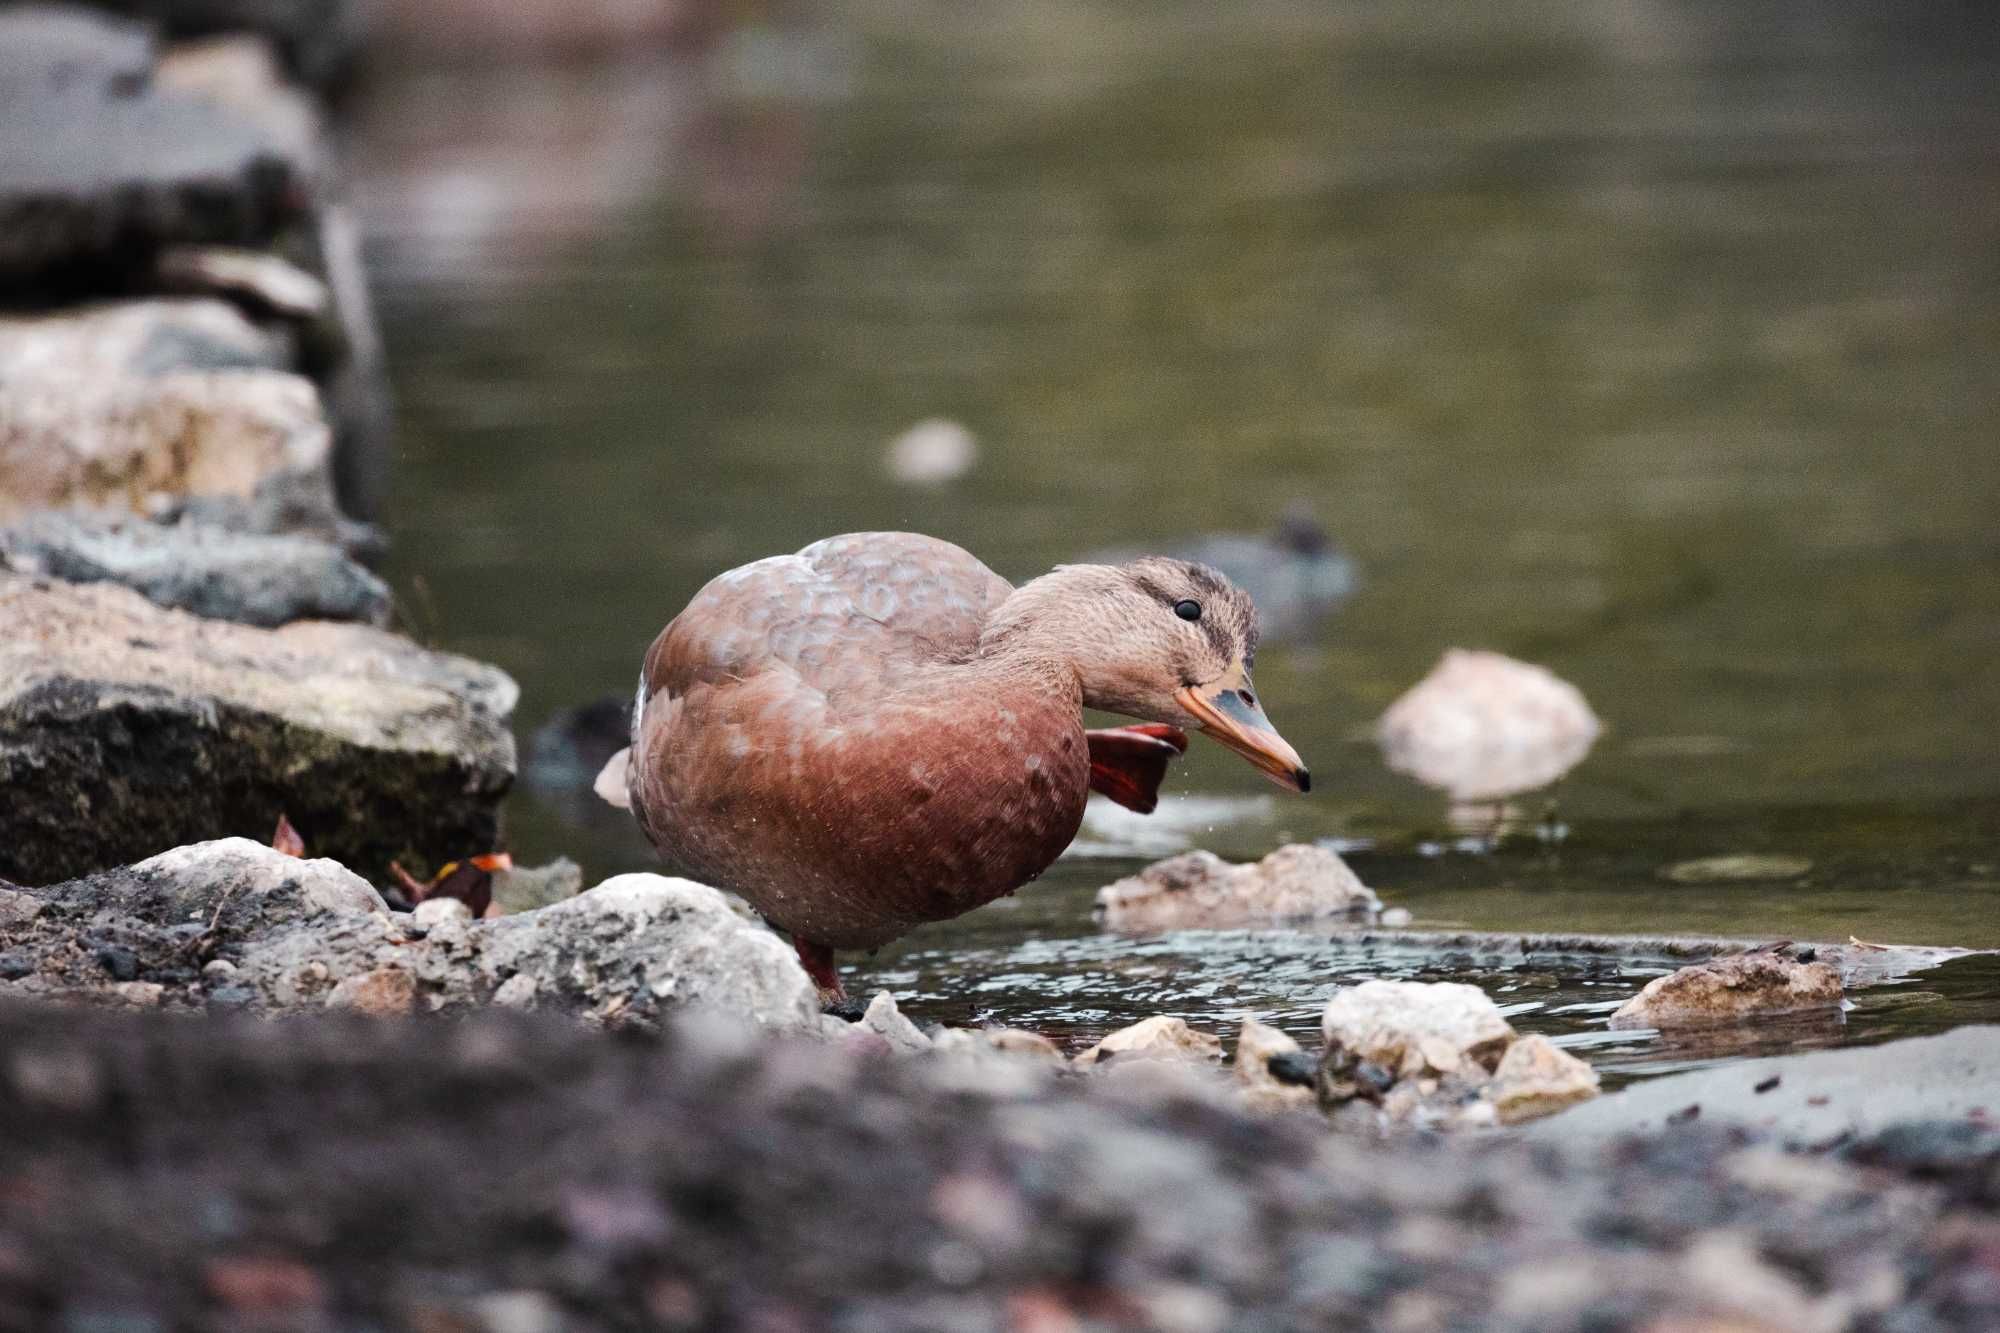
column 878, row 731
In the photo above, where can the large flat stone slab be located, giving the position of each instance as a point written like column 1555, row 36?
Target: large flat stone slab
column 1812, row 1099
column 126, row 729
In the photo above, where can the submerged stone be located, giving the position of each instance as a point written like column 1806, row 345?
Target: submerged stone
column 1742, row 867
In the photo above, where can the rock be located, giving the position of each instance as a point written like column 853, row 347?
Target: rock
column 240, row 74
column 70, row 46
column 318, row 40
column 385, row 992
column 128, row 728
column 199, row 568
column 1161, row 1037
column 280, row 933
column 1200, row 891
column 1807, row 1100
column 1537, row 1078
column 98, row 167
column 517, row 992
column 434, row 912
column 1740, row 868
column 190, row 883
column 248, row 444
column 1738, row 988
column 1275, row 1074
column 18, row 908
column 649, row 943
column 931, row 453
column 524, row 888
column 886, row 1021
column 1484, row 727
column 108, row 340
column 1408, row 1027
column 261, row 280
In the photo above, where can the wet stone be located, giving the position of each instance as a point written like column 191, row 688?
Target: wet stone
column 1200, row 891
column 1734, row 989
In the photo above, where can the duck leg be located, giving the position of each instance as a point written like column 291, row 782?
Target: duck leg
column 818, row 960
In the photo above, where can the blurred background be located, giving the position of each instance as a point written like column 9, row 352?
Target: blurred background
column 1651, row 340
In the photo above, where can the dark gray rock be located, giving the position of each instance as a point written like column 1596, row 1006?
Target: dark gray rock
column 98, row 169
column 126, row 729
column 205, row 570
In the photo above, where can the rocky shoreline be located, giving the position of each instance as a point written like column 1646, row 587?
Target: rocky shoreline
column 190, row 381
column 309, row 1085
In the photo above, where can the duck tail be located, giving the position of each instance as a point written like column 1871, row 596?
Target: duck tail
column 612, row 783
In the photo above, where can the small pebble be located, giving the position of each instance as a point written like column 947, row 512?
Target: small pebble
column 1685, row 1114
column 1768, row 1084
column 122, row 964
column 230, row 997
column 14, row 965
column 434, row 912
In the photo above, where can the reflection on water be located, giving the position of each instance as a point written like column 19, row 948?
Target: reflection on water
column 1652, row 341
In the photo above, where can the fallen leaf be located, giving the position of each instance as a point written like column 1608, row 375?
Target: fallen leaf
column 287, row 839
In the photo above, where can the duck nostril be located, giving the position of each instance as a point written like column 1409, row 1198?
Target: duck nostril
column 1248, row 698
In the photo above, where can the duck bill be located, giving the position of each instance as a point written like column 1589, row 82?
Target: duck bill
column 1228, row 712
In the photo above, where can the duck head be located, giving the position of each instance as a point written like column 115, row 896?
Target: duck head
column 1158, row 639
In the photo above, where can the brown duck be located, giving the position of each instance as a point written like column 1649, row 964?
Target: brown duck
column 880, row 731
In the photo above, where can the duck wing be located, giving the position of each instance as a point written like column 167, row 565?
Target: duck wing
column 844, row 612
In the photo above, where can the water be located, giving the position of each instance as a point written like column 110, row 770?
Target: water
column 1654, row 342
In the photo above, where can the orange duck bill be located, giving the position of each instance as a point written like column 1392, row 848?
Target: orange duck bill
column 1228, row 711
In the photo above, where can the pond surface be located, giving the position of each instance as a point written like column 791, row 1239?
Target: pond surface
column 1653, row 342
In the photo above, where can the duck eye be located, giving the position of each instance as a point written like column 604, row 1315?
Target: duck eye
column 1188, row 610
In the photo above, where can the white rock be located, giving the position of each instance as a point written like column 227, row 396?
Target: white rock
column 1482, row 726
column 1537, row 1078
column 653, row 941
column 932, row 453
column 433, row 912
column 886, row 1021
column 1161, row 1037
column 1200, row 891
column 1405, row 1026
column 516, row 992
column 1256, row 1047
column 201, row 873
